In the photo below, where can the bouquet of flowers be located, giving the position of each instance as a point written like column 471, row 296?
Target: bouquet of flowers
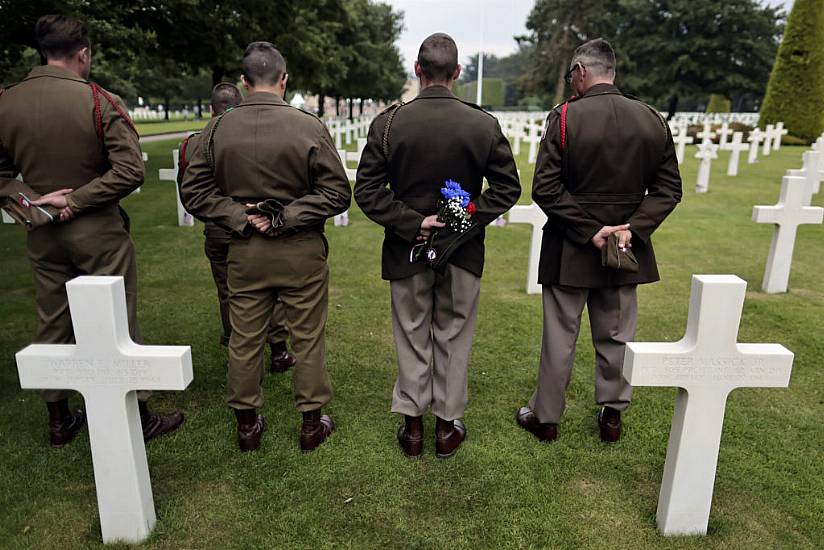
column 455, row 210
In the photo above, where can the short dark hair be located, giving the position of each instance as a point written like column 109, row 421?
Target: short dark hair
column 225, row 95
column 597, row 56
column 263, row 64
column 60, row 36
column 438, row 57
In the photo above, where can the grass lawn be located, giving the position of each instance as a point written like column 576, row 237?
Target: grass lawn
column 503, row 489
column 152, row 128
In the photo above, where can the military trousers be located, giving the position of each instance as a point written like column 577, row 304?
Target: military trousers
column 613, row 313
column 217, row 251
column 263, row 270
column 94, row 243
column 433, row 322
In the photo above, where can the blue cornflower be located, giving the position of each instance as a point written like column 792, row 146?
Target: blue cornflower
column 453, row 190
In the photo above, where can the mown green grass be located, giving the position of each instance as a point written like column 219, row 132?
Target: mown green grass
column 154, row 128
column 503, row 489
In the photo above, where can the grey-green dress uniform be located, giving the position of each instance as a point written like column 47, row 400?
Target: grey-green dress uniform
column 266, row 149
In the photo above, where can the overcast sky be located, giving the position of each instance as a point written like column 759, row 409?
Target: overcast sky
column 502, row 20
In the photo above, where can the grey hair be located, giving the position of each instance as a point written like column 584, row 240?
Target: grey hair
column 597, row 56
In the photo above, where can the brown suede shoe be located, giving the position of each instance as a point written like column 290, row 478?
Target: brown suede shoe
column 250, row 428
column 64, row 425
column 449, row 434
column 316, row 428
column 410, row 436
column 281, row 360
column 155, row 425
column 527, row 420
column 609, row 422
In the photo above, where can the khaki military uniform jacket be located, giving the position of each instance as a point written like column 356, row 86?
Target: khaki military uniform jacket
column 433, row 138
column 266, row 149
column 618, row 166
column 51, row 156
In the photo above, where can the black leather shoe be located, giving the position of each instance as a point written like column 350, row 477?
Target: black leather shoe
column 449, row 434
column 527, row 420
column 281, row 360
column 609, row 423
column 155, row 425
column 64, row 425
column 250, row 428
column 316, row 428
column 410, row 436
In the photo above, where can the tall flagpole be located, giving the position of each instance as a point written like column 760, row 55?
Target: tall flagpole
column 480, row 86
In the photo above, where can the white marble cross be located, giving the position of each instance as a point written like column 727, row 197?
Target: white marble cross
column 706, row 134
column 736, row 146
column 534, row 132
column 106, row 367
column 184, row 219
column 706, row 365
column 778, row 132
column 6, row 217
column 533, row 215
column 812, row 172
column 755, row 138
column 787, row 215
column 707, row 151
column 768, row 133
column 723, row 132
column 681, row 140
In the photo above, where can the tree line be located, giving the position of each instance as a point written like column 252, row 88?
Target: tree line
column 173, row 49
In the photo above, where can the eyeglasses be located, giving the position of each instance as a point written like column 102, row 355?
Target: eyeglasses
column 568, row 75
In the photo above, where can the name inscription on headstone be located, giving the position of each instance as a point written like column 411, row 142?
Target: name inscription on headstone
column 100, row 372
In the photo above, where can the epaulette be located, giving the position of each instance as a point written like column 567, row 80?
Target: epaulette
column 661, row 118
column 391, row 108
column 476, row 106
column 3, row 89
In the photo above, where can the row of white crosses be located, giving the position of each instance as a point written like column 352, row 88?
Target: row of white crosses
column 793, row 209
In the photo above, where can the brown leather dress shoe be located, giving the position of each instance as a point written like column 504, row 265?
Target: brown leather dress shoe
column 449, row 434
column 609, row 422
column 155, row 425
column 316, row 428
column 410, row 436
column 281, row 360
column 64, row 424
column 527, row 420
column 250, row 428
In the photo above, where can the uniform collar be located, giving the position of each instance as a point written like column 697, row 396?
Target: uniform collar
column 601, row 89
column 436, row 91
column 54, row 71
column 263, row 98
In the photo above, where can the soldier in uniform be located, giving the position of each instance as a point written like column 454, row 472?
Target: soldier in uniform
column 216, row 244
column 270, row 174
column 75, row 145
column 414, row 148
column 606, row 166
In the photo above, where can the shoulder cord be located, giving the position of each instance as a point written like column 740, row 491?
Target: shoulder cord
column 97, row 91
column 210, row 142
column 386, row 129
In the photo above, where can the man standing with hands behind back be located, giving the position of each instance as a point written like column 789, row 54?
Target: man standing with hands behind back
column 606, row 171
column 270, row 174
column 414, row 149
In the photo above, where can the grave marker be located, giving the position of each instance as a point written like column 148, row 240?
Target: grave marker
column 705, row 365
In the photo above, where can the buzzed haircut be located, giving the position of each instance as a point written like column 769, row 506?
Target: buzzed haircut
column 263, row 64
column 438, row 57
column 60, row 36
column 597, row 56
column 225, row 95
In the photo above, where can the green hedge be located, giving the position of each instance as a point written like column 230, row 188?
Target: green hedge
column 719, row 104
column 795, row 92
column 494, row 92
